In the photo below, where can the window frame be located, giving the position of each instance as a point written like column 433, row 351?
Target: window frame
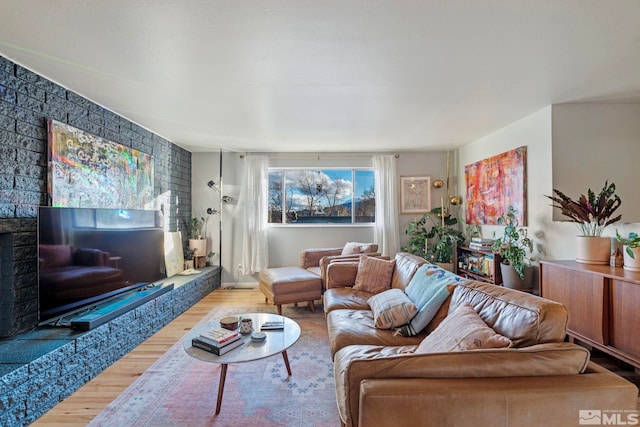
column 353, row 170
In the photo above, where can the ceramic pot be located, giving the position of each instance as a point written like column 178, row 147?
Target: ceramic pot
column 200, row 245
column 511, row 279
column 631, row 264
column 593, row 250
column 188, row 264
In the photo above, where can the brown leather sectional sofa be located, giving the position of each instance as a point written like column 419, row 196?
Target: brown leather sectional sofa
column 541, row 381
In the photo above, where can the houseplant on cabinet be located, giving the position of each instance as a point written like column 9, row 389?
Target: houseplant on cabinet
column 631, row 251
column 512, row 246
column 592, row 214
column 436, row 243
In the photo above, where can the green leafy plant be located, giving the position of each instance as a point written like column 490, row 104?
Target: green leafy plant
column 440, row 236
column 632, row 242
column 514, row 243
column 189, row 254
column 591, row 213
column 195, row 227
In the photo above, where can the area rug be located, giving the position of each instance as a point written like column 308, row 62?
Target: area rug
column 179, row 390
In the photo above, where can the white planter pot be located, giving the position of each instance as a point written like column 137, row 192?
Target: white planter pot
column 511, row 279
column 631, row 264
column 593, row 250
column 200, row 245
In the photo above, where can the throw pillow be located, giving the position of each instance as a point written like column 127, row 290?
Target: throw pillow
column 462, row 330
column 391, row 308
column 428, row 289
column 374, row 274
column 351, row 248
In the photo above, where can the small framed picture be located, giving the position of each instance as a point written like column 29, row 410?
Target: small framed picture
column 415, row 194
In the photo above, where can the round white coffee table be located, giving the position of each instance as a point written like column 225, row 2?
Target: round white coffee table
column 278, row 341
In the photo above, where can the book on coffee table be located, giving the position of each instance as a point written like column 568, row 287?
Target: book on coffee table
column 272, row 326
column 218, row 336
column 219, row 351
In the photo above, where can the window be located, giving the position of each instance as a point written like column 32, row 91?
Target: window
column 325, row 196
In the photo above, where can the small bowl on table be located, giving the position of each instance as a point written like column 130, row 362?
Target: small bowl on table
column 229, row 322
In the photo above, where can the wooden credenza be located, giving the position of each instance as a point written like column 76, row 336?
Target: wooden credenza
column 603, row 304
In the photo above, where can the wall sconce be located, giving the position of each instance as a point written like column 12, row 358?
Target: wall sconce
column 227, row 199
column 212, row 211
column 211, row 184
column 455, row 200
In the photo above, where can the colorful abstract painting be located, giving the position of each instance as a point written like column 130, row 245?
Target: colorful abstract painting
column 494, row 184
column 86, row 171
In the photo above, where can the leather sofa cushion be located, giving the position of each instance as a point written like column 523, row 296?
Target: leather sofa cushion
column 356, row 327
column 345, row 298
column 354, row 364
column 525, row 319
column 406, row 266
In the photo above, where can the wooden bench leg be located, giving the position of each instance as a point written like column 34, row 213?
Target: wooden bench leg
column 280, row 309
column 312, row 307
column 266, row 300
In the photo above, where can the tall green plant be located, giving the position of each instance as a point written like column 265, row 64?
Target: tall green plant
column 195, row 227
column 513, row 244
column 440, row 236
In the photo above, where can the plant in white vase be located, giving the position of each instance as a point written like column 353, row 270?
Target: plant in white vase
column 631, row 249
column 592, row 214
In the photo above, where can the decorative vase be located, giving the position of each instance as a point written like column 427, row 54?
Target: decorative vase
column 511, row 279
column 593, row 250
column 631, row 264
column 200, row 246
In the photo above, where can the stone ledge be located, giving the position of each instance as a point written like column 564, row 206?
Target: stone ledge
column 28, row 389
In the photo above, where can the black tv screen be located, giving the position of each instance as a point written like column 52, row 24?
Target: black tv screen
column 87, row 255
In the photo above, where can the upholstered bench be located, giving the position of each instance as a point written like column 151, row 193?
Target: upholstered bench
column 284, row 285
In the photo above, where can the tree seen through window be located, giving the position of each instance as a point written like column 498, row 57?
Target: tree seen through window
column 299, row 196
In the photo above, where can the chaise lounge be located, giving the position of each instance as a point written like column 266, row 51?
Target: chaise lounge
column 511, row 368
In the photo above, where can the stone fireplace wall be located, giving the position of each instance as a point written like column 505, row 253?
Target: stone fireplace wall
column 26, row 101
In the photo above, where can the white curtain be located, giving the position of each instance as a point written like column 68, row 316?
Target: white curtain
column 386, row 233
column 253, row 208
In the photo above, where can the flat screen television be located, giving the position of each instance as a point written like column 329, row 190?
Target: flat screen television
column 88, row 255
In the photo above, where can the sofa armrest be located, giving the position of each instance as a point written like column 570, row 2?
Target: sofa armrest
column 341, row 274
column 354, row 364
column 325, row 261
column 538, row 400
column 312, row 257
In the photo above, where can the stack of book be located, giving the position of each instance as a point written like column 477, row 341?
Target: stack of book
column 480, row 244
column 218, row 341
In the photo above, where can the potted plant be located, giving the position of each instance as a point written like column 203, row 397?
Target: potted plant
column 196, row 241
column 188, row 257
column 592, row 214
column 631, row 251
column 512, row 246
column 434, row 240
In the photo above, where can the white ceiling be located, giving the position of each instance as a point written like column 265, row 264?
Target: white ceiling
column 337, row 75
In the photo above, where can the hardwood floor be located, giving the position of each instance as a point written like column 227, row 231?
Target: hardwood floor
column 82, row 406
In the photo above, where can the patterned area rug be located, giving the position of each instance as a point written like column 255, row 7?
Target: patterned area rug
column 179, row 390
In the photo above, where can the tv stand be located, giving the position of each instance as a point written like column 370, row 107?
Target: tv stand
column 118, row 306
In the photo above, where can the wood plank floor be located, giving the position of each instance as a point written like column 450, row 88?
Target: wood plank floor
column 82, row 406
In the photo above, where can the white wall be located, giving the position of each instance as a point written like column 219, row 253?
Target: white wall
column 552, row 240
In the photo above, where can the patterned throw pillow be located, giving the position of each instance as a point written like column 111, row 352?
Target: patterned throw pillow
column 428, row 289
column 391, row 308
column 462, row 330
column 374, row 274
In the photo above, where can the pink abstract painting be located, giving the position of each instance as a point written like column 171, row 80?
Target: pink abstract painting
column 494, row 184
